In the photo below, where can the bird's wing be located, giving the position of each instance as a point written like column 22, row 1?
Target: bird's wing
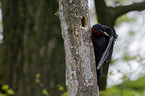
column 106, row 53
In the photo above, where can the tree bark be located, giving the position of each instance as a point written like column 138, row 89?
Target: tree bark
column 80, row 61
column 32, row 44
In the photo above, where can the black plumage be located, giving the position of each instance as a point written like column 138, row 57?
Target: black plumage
column 103, row 38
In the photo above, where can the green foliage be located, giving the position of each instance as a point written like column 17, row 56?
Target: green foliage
column 131, row 33
column 37, row 80
column 2, row 94
column 111, row 72
column 7, row 90
column 66, row 93
column 60, row 88
column 127, row 88
column 138, row 84
column 124, row 18
column 113, row 61
column 5, row 87
column 115, row 91
column 112, row 91
column 126, row 57
column 44, row 92
column 10, row 92
column 37, row 75
column 124, row 77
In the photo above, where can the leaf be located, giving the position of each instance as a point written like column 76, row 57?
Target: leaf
column 129, row 64
column 5, row 87
column 113, row 61
column 118, row 71
column 126, row 57
column 37, row 75
column 124, row 77
column 133, row 93
column 67, row 92
column 37, row 81
column 124, row 18
column 111, row 72
column 44, row 92
column 10, row 92
column 131, row 33
column 134, row 57
column 60, row 88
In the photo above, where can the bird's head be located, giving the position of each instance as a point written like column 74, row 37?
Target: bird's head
column 98, row 30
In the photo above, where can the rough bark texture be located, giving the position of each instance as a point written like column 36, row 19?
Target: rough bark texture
column 32, row 44
column 80, row 61
column 107, row 16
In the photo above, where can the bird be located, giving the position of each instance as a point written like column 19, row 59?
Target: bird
column 103, row 38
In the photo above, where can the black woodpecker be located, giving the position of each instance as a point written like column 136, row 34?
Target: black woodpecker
column 103, row 38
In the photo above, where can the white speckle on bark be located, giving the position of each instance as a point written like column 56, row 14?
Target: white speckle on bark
column 70, row 1
column 80, row 62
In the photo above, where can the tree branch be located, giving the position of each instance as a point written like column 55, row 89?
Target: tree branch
column 100, row 10
column 107, row 16
column 133, row 7
column 100, row 4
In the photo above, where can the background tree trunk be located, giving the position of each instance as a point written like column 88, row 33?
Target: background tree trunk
column 32, row 44
column 80, row 61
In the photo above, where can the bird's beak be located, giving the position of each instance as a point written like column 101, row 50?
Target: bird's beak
column 106, row 34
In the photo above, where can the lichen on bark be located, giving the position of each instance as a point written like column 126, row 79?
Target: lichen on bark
column 80, row 62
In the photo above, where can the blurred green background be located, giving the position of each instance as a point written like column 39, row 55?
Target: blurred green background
column 127, row 70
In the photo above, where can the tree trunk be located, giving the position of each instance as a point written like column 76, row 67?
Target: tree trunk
column 32, row 44
column 80, row 61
